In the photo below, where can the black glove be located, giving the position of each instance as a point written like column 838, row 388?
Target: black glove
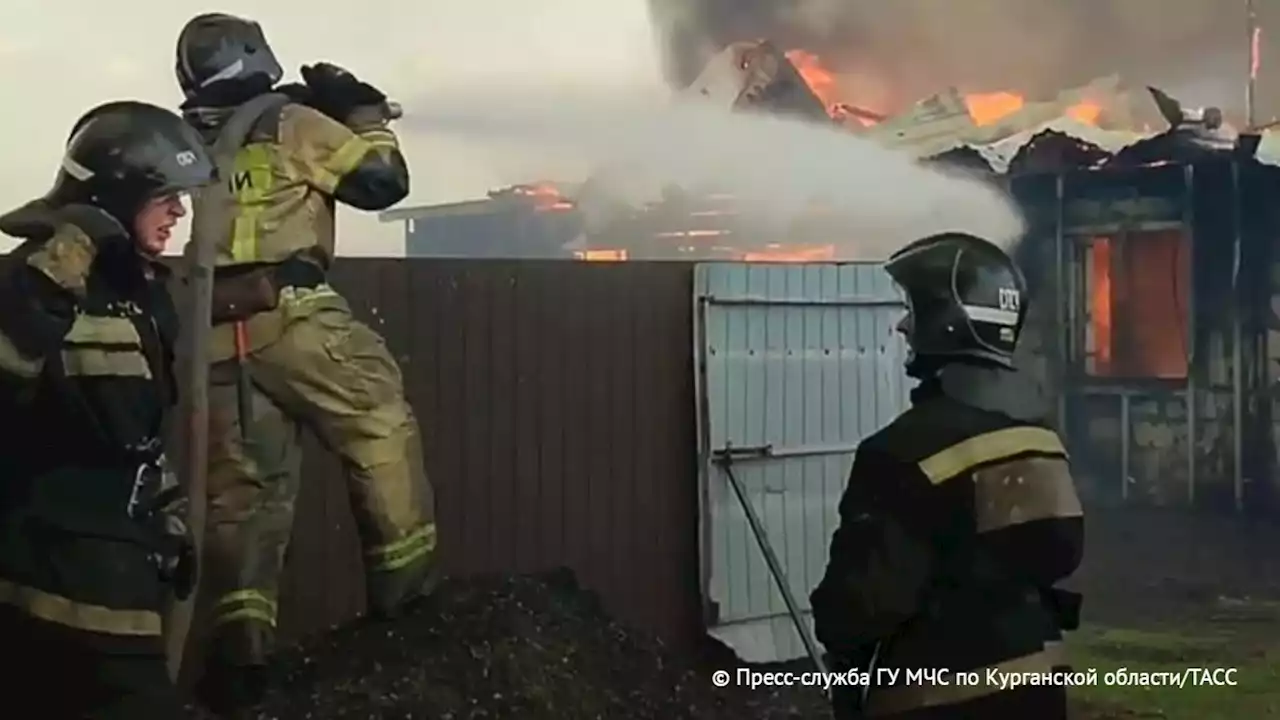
column 337, row 93
column 296, row 92
column 159, row 503
column 176, row 558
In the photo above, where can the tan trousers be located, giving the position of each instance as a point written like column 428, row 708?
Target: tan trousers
column 324, row 370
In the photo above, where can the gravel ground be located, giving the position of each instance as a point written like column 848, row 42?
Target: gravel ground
column 533, row 648
column 539, row 647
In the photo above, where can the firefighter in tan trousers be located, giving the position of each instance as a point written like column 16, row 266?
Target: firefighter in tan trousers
column 286, row 351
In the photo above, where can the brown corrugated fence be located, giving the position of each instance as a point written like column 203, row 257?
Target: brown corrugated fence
column 557, row 406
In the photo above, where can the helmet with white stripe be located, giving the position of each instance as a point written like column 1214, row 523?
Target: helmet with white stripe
column 219, row 49
column 966, row 300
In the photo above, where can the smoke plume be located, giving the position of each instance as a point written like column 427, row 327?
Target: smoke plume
column 1037, row 47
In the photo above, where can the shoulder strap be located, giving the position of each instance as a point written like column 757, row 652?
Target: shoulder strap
column 239, row 125
column 209, row 221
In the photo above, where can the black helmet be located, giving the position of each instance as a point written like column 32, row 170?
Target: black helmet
column 966, row 298
column 216, row 47
column 122, row 154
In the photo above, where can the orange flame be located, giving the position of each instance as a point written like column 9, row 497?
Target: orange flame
column 602, row 255
column 1100, row 303
column 791, row 253
column 820, row 80
column 990, row 108
column 985, row 108
column 545, row 196
column 1087, row 112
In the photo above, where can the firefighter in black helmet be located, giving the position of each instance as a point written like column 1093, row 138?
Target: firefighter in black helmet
column 223, row 60
column 959, row 517
column 286, row 350
column 92, row 522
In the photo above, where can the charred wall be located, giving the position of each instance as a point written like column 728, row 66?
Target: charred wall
column 1161, row 417
column 556, row 400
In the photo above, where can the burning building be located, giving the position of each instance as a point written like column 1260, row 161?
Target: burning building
column 701, row 223
column 1152, row 290
column 1152, row 319
column 1150, row 255
column 532, row 220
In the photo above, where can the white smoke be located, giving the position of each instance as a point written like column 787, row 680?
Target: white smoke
column 776, row 168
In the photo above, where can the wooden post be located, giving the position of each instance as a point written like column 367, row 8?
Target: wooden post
column 193, row 422
column 1255, row 41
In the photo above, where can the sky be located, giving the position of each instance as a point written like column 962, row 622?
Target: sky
column 59, row 58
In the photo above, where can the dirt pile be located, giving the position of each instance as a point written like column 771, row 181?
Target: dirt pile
column 531, row 647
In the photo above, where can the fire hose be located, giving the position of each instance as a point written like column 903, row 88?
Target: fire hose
column 725, row 461
column 244, row 396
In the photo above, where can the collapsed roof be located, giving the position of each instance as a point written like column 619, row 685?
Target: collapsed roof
column 1042, row 139
column 1035, row 136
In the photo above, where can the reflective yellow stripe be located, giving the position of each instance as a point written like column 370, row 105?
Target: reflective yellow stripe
column 381, row 138
column 98, row 329
column 96, row 362
column 990, row 447
column 251, row 183
column 245, row 605
column 296, row 297
column 346, row 158
column 82, row 616
column 13, row 361
column 897, row 699
column 246, row 614
column 402, row 552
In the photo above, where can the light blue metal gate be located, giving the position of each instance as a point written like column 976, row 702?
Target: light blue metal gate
column 795, row 364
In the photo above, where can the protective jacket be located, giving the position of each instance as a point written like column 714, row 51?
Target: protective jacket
column 296, row 162
column 958, row 519
column 275, row 230
column 86, row 357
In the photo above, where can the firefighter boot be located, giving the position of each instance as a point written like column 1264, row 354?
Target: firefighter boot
column 227, row 690
column 419, row 588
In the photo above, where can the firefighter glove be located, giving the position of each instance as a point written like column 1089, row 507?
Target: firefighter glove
column 160, row 503
column 176, row 558
column 296, row 92
column 337, row 93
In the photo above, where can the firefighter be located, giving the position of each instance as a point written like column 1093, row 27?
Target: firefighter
column 92, row 523
column 959, row 516
column 287, row 353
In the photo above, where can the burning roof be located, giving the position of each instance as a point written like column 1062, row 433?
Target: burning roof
column 1081, row 127
column 951, row 119
column 758, row 76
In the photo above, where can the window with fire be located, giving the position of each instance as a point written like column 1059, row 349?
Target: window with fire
column 1135, row 295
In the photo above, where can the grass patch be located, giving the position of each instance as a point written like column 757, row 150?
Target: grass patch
column 1252, row 649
